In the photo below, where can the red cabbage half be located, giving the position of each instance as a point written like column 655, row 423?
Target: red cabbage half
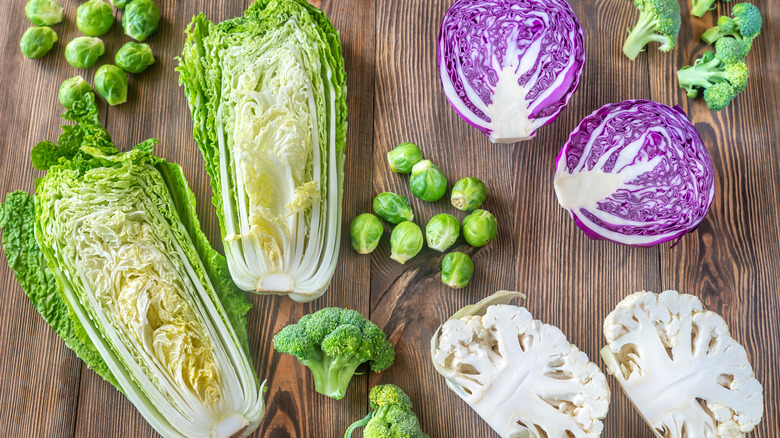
column 636, row 173
column 508, row 67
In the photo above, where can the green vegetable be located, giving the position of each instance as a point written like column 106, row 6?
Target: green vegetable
column 83, row 52
column 140, row 19
column 442, row 231
column 274, row 79
column 456, row 270
column 659, row 21
column 700, row 7
column 428, row 181
column 112, row 255
column 134, row 57
column 120, row 4
column 745, row 26
column 722, row 75
column 44, row 12
column 406, row 241
column 479, row 228
column 365, row 232
column 404, row 157
column 393, row 208
column 332, row 343
column 94, row 18
column 468, row 194
column 111, row 83
column 391, row 415
column 37, row 41
column 73, row 90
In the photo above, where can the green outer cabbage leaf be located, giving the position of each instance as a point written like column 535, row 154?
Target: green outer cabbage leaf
column 183, row 360
column 267, row 93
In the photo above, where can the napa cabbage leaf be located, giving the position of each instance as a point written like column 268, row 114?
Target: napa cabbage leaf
column 267, row 93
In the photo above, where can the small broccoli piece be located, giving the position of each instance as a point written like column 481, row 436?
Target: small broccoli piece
column 745, row 26
column 700, row 7
column 659, row 21
column 391, row 415
column 722, row 74
column 332, row 343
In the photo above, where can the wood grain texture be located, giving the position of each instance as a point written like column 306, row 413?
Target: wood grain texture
column 394, row 95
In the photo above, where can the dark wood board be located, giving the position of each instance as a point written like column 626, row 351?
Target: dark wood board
column 731, row 262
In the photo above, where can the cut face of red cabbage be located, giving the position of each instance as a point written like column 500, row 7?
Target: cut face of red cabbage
column 508, row 67
column 636, row 173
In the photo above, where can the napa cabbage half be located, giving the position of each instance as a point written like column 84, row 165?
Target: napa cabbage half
column 110, row 252
column 267, row 94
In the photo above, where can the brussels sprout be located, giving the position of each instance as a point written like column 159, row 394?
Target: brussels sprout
column 428, row 181
column 72, row 90
column 404, row 157
column 111, row 83
column 94, row 17
column 405, row 241
column 83, row 52
column 44, row 12
column 479, row 228
column 365, row 232
column 140, row 19
column 442, row 231
column 37, row 41
column 134, row 57
column 456, row 270
column 393, row 208
column 119, row 4
column 468, row 194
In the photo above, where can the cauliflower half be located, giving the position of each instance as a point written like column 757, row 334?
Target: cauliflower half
column 520, row 375
column 681, row 368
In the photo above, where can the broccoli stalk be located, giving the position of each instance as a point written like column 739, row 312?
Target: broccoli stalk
column 391, row 415
column 659, row 21
column 332, row 343
column 722, row 75
column 700, row 7
column 745, row 26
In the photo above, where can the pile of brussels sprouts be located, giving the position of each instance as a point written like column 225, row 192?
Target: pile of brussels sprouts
column 427, row 182
column 93, row 18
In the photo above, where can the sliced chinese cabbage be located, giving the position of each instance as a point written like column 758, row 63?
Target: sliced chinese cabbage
column 267, row 93
column 110, row 252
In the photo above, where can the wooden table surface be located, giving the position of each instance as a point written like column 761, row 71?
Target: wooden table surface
column 732, row 262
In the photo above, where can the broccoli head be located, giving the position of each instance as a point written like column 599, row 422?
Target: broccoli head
column 722, row 75
column 744, row 26
column 659, row 21
column 719, row 96
column 332, row 343
column 391, row 415
column 700, row 7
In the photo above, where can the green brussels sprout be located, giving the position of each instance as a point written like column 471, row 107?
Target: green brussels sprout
column 94, row 17
column 393, row 208
column 140, row 19
column 119, row 4
column 406, row 241
column 479, row 228
column 456, row 270
column 44, row 12
column 134, row 57
column 468, row 194
column 72, row 90
column 111, row 83
column 404, row 157
column 37, row 41
column 442, row 231
column 428, row 181
column 365, row 232
column 83, row 52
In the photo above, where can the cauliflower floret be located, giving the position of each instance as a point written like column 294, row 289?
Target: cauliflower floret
column 681, row 368
column 520, row 375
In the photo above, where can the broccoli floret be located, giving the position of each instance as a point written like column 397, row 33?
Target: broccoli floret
column 746, row 25
column 659, row 20
column 332, row 343
column 391, row 415
column 700, row 7
column 726, row 66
